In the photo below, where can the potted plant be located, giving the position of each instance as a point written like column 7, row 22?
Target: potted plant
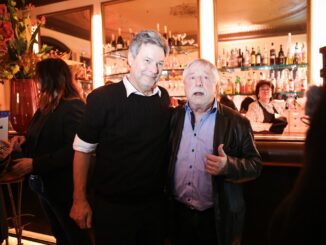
column 18, row 58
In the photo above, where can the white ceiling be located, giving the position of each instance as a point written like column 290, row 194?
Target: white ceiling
column 233, row 16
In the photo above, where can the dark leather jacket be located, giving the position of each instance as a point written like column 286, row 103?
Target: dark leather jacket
column 243, row 164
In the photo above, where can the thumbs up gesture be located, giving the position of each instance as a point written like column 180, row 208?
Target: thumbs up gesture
column 215, row 164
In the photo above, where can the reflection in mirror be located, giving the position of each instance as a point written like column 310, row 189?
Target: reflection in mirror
column 269, row 38
column 260, row 24
column 69, row 32
column 177, row 20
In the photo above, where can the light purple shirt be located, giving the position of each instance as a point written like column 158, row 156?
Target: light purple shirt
column 192, row 184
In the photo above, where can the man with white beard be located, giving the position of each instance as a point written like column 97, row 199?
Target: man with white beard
column 212, row 153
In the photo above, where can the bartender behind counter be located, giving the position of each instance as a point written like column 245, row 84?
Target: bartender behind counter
column 264, row 114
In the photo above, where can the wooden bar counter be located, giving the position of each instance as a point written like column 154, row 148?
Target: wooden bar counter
column 283, row 157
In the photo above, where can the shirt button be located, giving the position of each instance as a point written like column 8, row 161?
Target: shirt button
column 189, row 183
column 195, row 134
column 193, row 150
column 190, row 166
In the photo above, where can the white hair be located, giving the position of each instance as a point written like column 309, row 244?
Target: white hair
column 202, row 62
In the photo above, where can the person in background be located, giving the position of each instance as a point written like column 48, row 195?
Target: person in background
column 300, row 217
column 225, row 100
column 262, row 112
column 245, row 104
column 47, row 148
column 212, row 153
column 127, row 124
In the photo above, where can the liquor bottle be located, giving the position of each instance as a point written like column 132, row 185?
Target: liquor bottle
column 243, row 86
column 232, row 59
column 291, row 82
column 230, row 86
column 120, row 42
column 254, row 81
column 247, row 58
column 272, row 56
column 304, row 81
column 303, row 54
column 265, row 57
column 249, row 84
column 170, row 39
column 258, row 57
column 165, row 33
column 131, row 33
column 289, row 59
column 273, row 79
column 158, row 27
column 253, row 57
column 113, row 42
column 286, row 75
column 279, row 83
column 240, row 58
column 223, row 59
column 296, row 57
column 237, row 84
column 281, row 56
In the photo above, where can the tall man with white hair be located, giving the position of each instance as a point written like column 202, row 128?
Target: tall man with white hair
column 213, row 152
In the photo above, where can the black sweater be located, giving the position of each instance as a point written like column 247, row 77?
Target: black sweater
column 132, row 134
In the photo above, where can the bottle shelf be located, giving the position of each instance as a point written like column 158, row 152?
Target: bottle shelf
column 117, row 54
column 269, row 67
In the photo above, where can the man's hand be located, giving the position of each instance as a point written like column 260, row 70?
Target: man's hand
column 82, row 213
column 215, row 164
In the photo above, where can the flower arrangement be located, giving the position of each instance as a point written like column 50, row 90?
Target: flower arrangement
column 18, row 34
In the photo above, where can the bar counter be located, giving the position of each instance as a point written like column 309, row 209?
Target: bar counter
column 285, row 149
column 282, row 159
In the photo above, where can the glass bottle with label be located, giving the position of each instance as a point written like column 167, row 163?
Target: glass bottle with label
column 258, row 58
column 272, row 56
column 237, row 85
column 296, row 57
column 281, row 56
column 265, row 57
column 113, row 42
column 120, row 42
column 253, row 57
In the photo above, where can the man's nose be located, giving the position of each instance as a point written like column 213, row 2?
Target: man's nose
column 154, row 68
column 199, row 82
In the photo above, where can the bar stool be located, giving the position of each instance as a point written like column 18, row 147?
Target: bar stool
column 15, row 204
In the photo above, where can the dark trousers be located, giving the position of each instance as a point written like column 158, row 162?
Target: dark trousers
column 128, row 224
column 192, row 227
column 63, row 227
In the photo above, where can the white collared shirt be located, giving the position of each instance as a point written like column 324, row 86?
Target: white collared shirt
column 83, row 146
column 131, row 89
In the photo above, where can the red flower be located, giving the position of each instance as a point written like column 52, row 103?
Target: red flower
column 3, row 10
column 6, row 31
